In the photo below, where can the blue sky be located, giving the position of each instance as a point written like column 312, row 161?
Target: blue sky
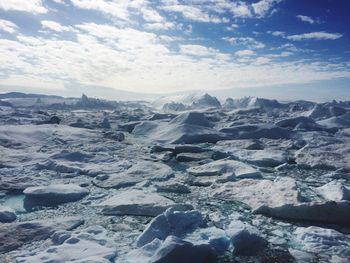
column 158, row 46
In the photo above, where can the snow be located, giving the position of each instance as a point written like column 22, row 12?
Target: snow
column 230, row 169
column 137, row 202
column 88, row 245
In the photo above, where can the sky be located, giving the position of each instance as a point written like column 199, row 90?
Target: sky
column 163, row 46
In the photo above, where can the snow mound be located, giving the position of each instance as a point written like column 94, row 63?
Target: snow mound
column 299, row 123
column 324, row 111
column 187, row 128
column 206, row 101
column 183, row 102
column 338, row 122
column 251, row 102
column 191, row 118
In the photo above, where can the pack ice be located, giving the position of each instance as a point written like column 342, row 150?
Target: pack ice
column 185, row 178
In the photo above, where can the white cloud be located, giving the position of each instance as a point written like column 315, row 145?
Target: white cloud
column 194, row 13
column 245, row 53
column 118, row 9
column 248, row 42
column 160, row 26
column 306, row 19
column 277, row 33
column 232, row 27
column 63, row 2
column 33, row 81
column 261, row 60
column 129, row 59
column 263, row 7
column 315, row 36
column 54, row 26
column 151, row 15
column 196, row 50
column 240, row 9
column 8, row 26
column 30, row 6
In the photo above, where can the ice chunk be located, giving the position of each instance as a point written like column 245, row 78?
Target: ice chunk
column 88, row 245
column 53, row 194
column 7, row 214
column 14, row 235
column 187, row 128
column 172, row 250
column 300, row 123
column 215, row 237
column 228, row 168
column 137, row 202
column 329, row 212
column 334, row 191
column 246, row 240
column 171, row 222
column 145, row 170
column 257, row 193
column 257, row 132
column 323, row 241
